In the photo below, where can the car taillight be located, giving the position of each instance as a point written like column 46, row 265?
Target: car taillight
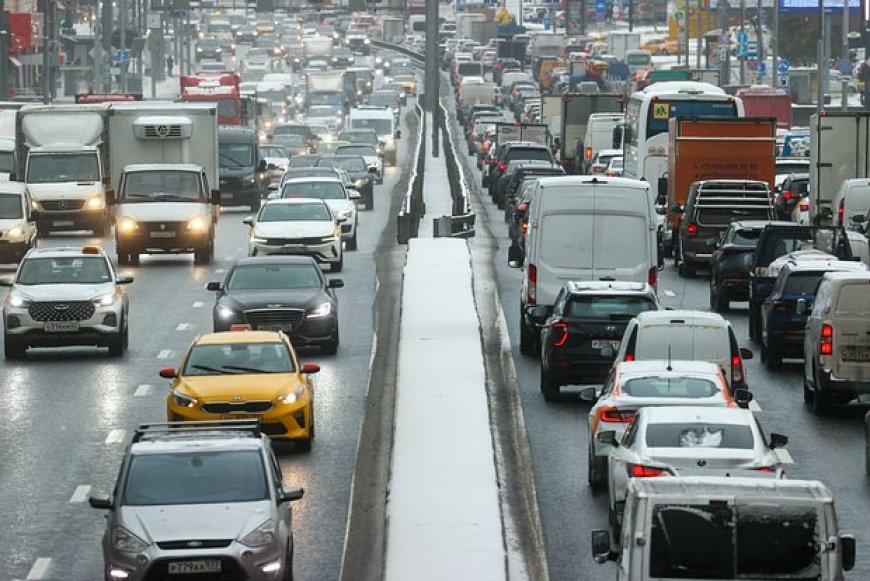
column 629, row 356
column 786, row 195
column 841, row 211
column 826, row 347
column 641, row 471
column 692, row 230
column 804, row 207
column 765, row 469
column 474, row 135
column 617, row 415
column 652, row 277
column 588, row 153
column 502, row 166
column 560, row 333
column 533, row 281
column 522, row 207
column 736, row 370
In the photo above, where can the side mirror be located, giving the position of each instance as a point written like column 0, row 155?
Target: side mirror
column 777, row 441
column 216, row 197
column 539, row 314
column 742, row 397
column 515, row 256
column 310, row 368
column 373, row 170
column 354, row 194
column 398, row 134
column 847, row 546
column 335, row 283
column 261, row 167
column 745, row 354
column 341, row 219
column 802, row 308
column 34, row 216
column 601, row 552
column 290, row 493
column 858, row 219
column 168, row 373
column 249, row 220
column 125, row 279
column 589, row 394
column 213, row 286
column 111, row 200
column 608, row 437
column 101, row 500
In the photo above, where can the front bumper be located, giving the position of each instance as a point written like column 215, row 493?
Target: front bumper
column 169, row 237
column 97, row 330
column 327, row 252
column 283, row 421
column 72, row 219
column 303, row 331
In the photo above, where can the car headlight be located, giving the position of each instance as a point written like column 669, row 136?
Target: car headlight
column 367, row 41
column 96, row 202
column 220, row 50
column 293, row 396
column 197, row 224
column 15, row 232
column 322, row 310
column 124, row 540
column 251, row 180
column 182, row 399
column 127, row 224
column 226, row 313
column 198, row 49
column 379, row 61
column 261, row 536
column 17, row 301
column 104, row 300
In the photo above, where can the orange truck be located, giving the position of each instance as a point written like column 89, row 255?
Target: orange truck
column 767, row 101
column 707, row 148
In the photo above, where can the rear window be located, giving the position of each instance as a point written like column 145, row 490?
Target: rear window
column 700, row 435
column 746, row 237
column 536, row 153
column 690, row 342
column 470, row 69
column 803, row 283
column 608, row 307
column 854, row 298
column 670, row 387
column 724, row 216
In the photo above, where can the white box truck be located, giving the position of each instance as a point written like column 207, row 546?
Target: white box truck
column 620, row 43
column 165, row 178
column 63, row 153
column 839, row 150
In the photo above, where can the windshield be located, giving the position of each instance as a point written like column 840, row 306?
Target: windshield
column 748, row 541
column 292, row 139
column 303, row 161
column 700, row 435
column 273, row 96
column 368, row 137
column 64, row 270
column 238, row 358
column 161, row 186
column 324, row 190
column 321, row 111
column 195, row 478
column 367, row 150
column 661, row 111
column 7, row 162
column 348, row 164
column 272, row 151
column 294, row 212
column 10, row 206
column 381, row 126
column 670, row 386
column 746, row 237
column 321, row 98
column 283, row 130
column 236, row 155
column 274, row 277
column 62, row 167
column 380, row 100
column 608, row 307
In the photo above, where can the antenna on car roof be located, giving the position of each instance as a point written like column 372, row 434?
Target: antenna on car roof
column 669, row 358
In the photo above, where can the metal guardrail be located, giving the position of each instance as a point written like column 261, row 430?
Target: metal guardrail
column 413, row 208
column 462, row 217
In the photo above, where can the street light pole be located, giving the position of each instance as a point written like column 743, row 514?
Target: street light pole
column 4, row 52
column 844, row 56
column 122, row 25
column 46, row 52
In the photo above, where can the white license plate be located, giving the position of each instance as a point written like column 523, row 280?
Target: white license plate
column 294, row 249
column 604, row 344
column 226, row 195
column 203, row 566
column 272, row 328
column 158, row 234
column 61, row 326
column 855, row 354
column 62, row 223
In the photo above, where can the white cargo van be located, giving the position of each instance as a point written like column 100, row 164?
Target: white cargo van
column 709, row 527
column 599, row 135
column 852, row 199
column 583, row 229
column 383, row 122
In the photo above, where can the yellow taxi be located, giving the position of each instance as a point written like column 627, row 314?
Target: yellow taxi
column 244, row 374
column 409, row 82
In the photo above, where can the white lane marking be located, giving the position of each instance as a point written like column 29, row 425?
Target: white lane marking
column 784, row 456
column 39, row 569
column 220, row 270
column 182, row 327
column 81, row 493
column 670, row 293
column 198, row 304
column 754, row 407
column 143, row 390
column 115, row 436
column 164, row 354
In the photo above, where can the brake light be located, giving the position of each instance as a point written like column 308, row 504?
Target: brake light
column 805, row 207
column 692, row 230
column 559, row 341
column 786, row 195
column 841, row 211
column 629, row 356
column 611, row 414
column 474, row 135
column 522, row 207
column 826, row 347
column 736, row 370
column 652, row 276
column 640, row 471
column 765, row 469
column 588, row 153
column 241, row 327
column 533, row 282
column 502, row 166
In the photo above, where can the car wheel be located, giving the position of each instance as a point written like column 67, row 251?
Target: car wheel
column 351, row 244
column 719, row 300
column 754, row 323
column 12, row 348
column 549, row 388
column 288, row 565
column 821, row 403
column 808, row 392
column 615, row 529
column 42, row 230
column 331, row 346
column 770, row 356
column 596, row 470
column 204, row 255
column 337, row 266
column 527, row 338
column 116, row 345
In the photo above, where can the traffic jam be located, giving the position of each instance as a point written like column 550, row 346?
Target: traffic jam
column 680, row 265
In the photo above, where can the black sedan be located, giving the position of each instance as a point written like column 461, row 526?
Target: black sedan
column 731, row 261
column 359, row 173
column 280, row 293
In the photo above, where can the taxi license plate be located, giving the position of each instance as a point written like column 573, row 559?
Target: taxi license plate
column 203, row 566
column 159, row 234
column 604, row 344
column 855, row 354
column 62, row 223
column 61, row 326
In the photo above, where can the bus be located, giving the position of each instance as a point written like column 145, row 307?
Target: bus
column 645, row 155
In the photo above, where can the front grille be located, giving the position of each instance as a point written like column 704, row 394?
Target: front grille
column 248, row 407
column 297, row 241
column 288, row 319
column 230, row 571
column 62, row 205
column 194, row 544
column 231, row 182
column 62, row 311
column 162, row 226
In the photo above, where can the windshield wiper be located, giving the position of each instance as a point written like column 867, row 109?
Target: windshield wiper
column 251, row 369
column 222, row 370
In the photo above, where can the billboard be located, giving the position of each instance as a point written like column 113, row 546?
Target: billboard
column 812, row 6
column 574, row 18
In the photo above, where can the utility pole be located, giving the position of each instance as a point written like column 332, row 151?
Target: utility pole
column 582, row 17
column 122, row 25
column 631, row 15
column 46, row 52
column 759, row 40
column 698, row 27
column 743, row 35
column 844, row 56
column 433, row 72
column 4, row 52
column 774, row 48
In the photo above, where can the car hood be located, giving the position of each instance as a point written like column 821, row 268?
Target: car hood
column 302, row 298
column 294, row 229
column 163, row 211
column 9, row 223
column 193, row 521
column 64, row 292
column 244, row 386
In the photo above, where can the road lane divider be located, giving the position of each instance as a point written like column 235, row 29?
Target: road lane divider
column 198, row 304
column 115, row 437
column 81, row 493
column 182, row 327
column 39, row 569
column 164, row 354
column 142, row 390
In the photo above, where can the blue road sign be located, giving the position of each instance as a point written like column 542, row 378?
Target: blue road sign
column 122, row 57
column 783, row 66
column 845, row 67
column 742, row 38
column 547, row 22
column 762, row 68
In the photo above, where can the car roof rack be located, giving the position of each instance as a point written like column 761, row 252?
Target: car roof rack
column 157, row 429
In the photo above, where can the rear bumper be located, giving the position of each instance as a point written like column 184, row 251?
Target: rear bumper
column 576, row 371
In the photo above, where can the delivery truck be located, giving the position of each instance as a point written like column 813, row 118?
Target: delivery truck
column 576, row 109
column 766, row 101
column 620, row 43
column 326, row 88
column 63, row 152
column 164, row 169
column 839, row 150
column 708, row 148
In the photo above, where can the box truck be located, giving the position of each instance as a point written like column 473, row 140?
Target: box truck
column 576, row 109
column 839, row 150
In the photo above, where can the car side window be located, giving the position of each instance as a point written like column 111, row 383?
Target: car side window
column 609, row 384
column 630, row 433
column 559, row 303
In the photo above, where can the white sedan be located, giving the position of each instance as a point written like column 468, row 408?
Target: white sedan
column 335, row 194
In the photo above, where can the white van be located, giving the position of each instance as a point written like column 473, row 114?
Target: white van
column 599, row 135
column 710, row 527
column 583, row 229
column 383, row 122
column 852, row 199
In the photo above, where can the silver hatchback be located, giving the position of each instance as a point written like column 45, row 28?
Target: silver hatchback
column 199, row 498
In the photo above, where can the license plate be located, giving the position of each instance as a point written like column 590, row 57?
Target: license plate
column 238, row 417
column 159, row 234
column 203, row 566
column 294, row 249
column 62, row 223
column 605, row 344
column 61, row 326
column 272, row 328
column 226, row 195
column 855, row 354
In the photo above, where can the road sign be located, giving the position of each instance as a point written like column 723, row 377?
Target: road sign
column 122, row 57
column 845, row 67
column 547, row 22
column 752, row 63
column 783, row 66
column 762, row 68
column 742, row 38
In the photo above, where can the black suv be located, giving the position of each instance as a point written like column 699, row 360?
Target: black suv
column 518, row 169
column 730, row 263
column 517, row 150
column 581, row 337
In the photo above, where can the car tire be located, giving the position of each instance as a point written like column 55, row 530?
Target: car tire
column 116, row 343
column 770, row 356
column 288, row 565
column 331, row 346
column 754, row 323
column 596, row 473
column 352, row 243
column 808, row 392
column 102, row 229
column 615, row 528
column 12, row 349
column 527, row 338
column 337, row 266
column 821, row 399
column 719, row 300
column 42, row 230
column 204, row 255
column 549, row 388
